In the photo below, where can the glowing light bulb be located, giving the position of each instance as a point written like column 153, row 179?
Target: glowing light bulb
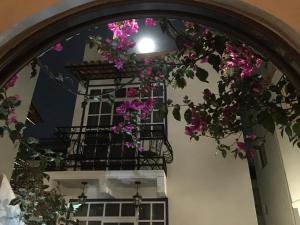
column 146, row 45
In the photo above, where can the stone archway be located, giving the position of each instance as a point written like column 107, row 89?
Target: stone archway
column 267, row 33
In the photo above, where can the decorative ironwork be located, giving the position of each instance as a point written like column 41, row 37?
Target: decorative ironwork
column 98, row 148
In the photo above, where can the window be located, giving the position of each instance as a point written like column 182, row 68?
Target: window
column 122, row 212
column 102, row 113
column 108, row 148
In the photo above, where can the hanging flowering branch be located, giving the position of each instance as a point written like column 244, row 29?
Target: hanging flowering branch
column 240, row 89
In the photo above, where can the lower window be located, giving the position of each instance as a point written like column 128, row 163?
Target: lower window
column 122, row 212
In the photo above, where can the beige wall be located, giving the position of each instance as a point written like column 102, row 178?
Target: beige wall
column 204, row 188
column 24, row 87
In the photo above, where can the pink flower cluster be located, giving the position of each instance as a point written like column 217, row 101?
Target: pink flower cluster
column 241, row 59
column 58, row 47
column 241, row 146
column 150, row 22
column 12, row 117
column 131, row 108
column 12, row 81
column 197, row 125
column 123, row 29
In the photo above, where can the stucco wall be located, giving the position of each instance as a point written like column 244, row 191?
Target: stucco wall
column 204, row 188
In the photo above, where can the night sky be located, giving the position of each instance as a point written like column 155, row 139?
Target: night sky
column 54, row 103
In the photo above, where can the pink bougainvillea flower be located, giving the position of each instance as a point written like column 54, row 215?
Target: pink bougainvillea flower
column 129, row 145
column 129, row 128
column 132, row 92
column 58, row 47
column 251, row 136
column 123, row 29
column 141, row 149
column 197, row 125
column 241, row 145
column 150, row 22
column 12, row 81
column 240, row 58
column 119, row 63
column 12, row 117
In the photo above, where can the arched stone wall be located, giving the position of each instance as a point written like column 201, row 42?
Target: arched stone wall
column 246, row 19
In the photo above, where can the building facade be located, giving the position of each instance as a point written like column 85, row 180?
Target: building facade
column 181, row 181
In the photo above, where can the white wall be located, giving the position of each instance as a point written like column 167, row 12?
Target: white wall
column 204, row 188
column 24, row 87
column 273, row 185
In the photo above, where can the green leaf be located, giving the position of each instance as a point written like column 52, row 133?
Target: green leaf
column 32, row 140
column 169, row 101
column 296, row 128
column 202, row 74
column 215, row 61
column 288, row 131
column 176, row 112
column 188, row 115
column 266, row 120
column 19, row 126
column 14, row 135
column 220, row 44
column 224, row 153
column 189, row 73
column 15, row 201
column 280, row 117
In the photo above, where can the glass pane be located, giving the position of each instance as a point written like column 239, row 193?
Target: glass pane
column 158, row 91
column 106, row 108
column 82, row 210
column 94, row 223
column 127, row 209
column 158, row 211
column 105, row 120
column 109, row 92
column 92, row 121
column 144, row 223
column 95, row 92
column 144, row 212
column 96, row 210
column 112, row 209
column 94, row 108
column 158, row 102
column 158, row 223
column 121, row 93
column 157, row 117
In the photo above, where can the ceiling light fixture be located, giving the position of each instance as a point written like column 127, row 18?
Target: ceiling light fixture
column 82, row 198
column 137, row 199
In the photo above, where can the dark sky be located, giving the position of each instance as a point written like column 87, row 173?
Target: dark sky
column 54, row 103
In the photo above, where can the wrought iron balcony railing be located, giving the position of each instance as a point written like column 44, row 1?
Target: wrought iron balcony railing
column 98, row 148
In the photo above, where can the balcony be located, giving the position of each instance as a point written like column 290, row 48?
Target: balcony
column 98, row 148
